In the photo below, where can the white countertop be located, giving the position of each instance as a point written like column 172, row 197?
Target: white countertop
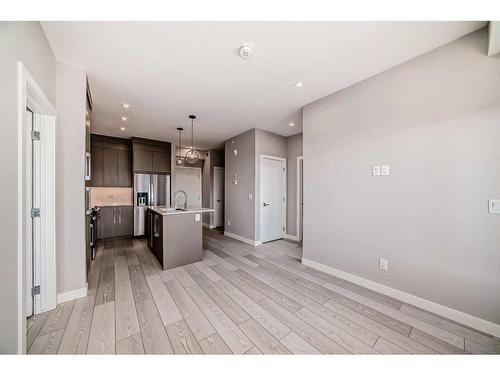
column 163, row 210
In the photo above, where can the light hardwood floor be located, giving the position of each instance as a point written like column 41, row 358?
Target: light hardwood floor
column 239, row 299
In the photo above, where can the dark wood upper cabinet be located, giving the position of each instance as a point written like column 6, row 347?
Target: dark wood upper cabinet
column 96, row 163
column 143, row 160
column 109, row 167
column 124, row 168
column 161, row 162
column 111, row 160
column 151, row 156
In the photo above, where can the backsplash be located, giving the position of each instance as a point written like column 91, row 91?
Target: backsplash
column 111, row 196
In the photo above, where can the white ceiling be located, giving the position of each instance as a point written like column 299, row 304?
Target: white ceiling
column 167, row 70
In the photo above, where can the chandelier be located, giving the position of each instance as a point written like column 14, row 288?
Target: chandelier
column 191, row 155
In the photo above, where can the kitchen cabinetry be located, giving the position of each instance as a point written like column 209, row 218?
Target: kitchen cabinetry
column 151, row 156
column 111, row 162
column 115, row 221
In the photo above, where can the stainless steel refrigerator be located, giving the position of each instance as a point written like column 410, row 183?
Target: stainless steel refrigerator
column 149, row 190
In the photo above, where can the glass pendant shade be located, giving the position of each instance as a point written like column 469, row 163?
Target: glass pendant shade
column 179, row 160
column 192, row 155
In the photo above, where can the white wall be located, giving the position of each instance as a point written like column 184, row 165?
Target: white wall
column 435, row 121
column 70, row 183
column 25, row 42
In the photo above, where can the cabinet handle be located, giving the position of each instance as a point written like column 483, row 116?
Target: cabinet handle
column 114, row 216
column 120, row 215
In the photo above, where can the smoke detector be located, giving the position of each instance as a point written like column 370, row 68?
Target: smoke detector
column 246, row 51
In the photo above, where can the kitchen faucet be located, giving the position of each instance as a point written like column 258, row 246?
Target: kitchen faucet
column 185, row 199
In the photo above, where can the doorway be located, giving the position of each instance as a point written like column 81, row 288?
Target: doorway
column 188, row 179
column 272, row 198
column 219, row 196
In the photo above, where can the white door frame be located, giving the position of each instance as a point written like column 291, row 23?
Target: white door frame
column 31, row 95
column 300, row 187
column 284, row 203
column 213, row 196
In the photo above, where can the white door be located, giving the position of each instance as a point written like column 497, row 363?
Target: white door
column 219, row 196
column 29, row 233
column 189, row 180
column 273, row 198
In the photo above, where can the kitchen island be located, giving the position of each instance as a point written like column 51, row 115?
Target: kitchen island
column 175, row 235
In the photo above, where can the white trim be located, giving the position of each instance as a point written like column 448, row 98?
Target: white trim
column 242, row 239
column 290, row 237
column 29, row 94
column 283, row 204
column 447, row 312
column 71, row 295
column 209, row 226
column 300, row 187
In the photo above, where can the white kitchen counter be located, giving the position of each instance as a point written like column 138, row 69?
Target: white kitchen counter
column 163, row 210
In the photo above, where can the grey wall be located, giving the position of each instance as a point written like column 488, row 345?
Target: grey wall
column 239, row 209
column 70, row 182
column 435, row 121
column 25, row 42
column 293, row 149
column 266, row 143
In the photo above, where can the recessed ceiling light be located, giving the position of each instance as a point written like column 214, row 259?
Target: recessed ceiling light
column 299, row 84
column 123, row 118
column 291, row 124
column 122, row 129
column 125, row 105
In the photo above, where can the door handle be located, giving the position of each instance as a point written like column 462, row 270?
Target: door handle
column 266, row 204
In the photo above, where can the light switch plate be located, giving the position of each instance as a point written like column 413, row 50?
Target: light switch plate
column 384, row 170
column 494, row 206
column 376, row 170
column 197, row 217
column 383, row 263
column 250, row 196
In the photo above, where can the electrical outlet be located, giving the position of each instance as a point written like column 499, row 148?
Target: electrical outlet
column 384, row 170
column 383, row 263
column 197, row 217
column 376, row 170
column 235, row 152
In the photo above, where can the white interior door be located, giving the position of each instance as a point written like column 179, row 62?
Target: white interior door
column 273, row 198
column 219, row 196
column 189, row 180
column 29, row 198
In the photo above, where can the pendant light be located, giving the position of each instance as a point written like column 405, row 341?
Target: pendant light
column 192, row 155
column 179, row 160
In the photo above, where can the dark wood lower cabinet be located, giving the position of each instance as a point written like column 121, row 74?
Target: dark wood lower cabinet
column 115, row 221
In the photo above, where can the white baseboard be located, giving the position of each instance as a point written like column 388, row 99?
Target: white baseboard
column 242, row 239
column 72, row 294
column 291, row 237
column 447, row 312
column 209, row 226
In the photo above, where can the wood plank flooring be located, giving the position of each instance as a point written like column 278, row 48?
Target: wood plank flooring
column 238, row 300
